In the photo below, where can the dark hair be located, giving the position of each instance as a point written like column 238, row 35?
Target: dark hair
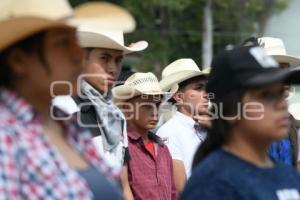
column 34, row 43
column 219, row 132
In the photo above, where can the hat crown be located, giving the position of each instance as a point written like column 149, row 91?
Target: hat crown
column 180, row 65
column 272, row 46
column 53, row 9
column 143, row 82
column 115, row 35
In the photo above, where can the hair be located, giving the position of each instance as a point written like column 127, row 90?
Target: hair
column 34, row 43
column 220, row 129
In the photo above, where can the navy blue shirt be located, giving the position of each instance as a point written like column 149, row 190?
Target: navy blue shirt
column 224, row 176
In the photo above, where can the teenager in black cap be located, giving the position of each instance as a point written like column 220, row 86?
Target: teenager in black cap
column 249, row 111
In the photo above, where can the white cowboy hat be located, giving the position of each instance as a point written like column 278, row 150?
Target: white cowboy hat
column 275, row 47
column 138, row 84
column 95, row 36
column 20, row 19
column 104, row 14
column 179, row 71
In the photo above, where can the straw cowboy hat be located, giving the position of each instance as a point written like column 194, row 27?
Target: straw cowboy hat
column 20, row 19
column 138, row 84
column 95, row 36
column 179, row 71
column 275, row 47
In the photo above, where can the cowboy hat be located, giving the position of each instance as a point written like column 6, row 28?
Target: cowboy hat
column 95, row 36
column 179, row 71
column 275, row 47
column 19, row 20
column 105, row 14
column 138, row 84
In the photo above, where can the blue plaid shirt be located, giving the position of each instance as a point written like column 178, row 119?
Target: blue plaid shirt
column 282, row 151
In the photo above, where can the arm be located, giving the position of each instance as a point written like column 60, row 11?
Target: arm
column 179, row 175
column 125, row 184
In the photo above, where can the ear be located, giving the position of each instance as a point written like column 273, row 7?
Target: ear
column 179, row 97
column 17, row 60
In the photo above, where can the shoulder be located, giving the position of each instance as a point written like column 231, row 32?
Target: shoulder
column 66, row 104
column 209, row 188
column 171, row 127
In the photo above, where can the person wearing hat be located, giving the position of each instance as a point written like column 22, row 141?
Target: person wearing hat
column 41, row 157
column 183, row 132
column 104, row 51
column 285, row 150
column 249, row 112
column 149, row 171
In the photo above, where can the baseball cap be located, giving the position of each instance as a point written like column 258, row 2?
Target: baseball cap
column 246, row 67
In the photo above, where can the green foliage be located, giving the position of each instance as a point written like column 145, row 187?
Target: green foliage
column 173, row 28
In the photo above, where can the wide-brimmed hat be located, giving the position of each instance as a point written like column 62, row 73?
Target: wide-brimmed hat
column 20, row 19
column 178, row 71
column 275, row 47
column 138, row 84
column 246, row 67
column 105, row 15
column 92, row 36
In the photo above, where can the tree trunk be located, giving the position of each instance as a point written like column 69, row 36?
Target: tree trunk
column 207, row 35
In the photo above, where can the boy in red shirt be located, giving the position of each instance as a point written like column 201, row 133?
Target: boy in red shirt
column 149, row 171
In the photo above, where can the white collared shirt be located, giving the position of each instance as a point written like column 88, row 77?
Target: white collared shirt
column 181, row 139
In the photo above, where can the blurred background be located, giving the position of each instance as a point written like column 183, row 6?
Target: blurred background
column 201, row 28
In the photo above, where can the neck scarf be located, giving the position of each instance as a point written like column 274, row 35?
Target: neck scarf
column 110, row 119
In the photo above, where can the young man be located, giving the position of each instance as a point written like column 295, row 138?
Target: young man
column 104, row 51
column 183, row 132
column 285, row 150
column 149, row 172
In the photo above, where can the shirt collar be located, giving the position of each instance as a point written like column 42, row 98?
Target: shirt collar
column 152, row 136
column 188, row 121
column 17, row 105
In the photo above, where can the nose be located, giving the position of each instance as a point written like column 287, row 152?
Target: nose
column 113, row 69
column 76, row 52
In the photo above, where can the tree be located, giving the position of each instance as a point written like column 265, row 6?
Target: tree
column 175, row 28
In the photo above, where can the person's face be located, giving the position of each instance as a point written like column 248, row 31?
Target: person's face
column 193, row 97
column 143, row 113
column 102, row 67
column 62, row 62
column 267, row 119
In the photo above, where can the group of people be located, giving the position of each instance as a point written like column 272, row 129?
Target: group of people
column 68, row 132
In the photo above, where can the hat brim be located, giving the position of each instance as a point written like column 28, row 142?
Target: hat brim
column 168, row 82
column 104, row 14
column 17, row 29
column 97, row 40
column 292, row 60
column 123, row 93
column 268, row 76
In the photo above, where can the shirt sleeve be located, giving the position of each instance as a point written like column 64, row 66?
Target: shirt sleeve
column 9, row 173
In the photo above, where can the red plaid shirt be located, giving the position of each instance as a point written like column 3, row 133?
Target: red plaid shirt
column 30, row 167
column 149, row 177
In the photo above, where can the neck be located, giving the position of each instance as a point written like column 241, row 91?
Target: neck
column 184, row 111
column 40, row 102
column 142, row 131
column 248, row 149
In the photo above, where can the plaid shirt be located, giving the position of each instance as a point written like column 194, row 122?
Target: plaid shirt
column 30, row 167
column 150, row 177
